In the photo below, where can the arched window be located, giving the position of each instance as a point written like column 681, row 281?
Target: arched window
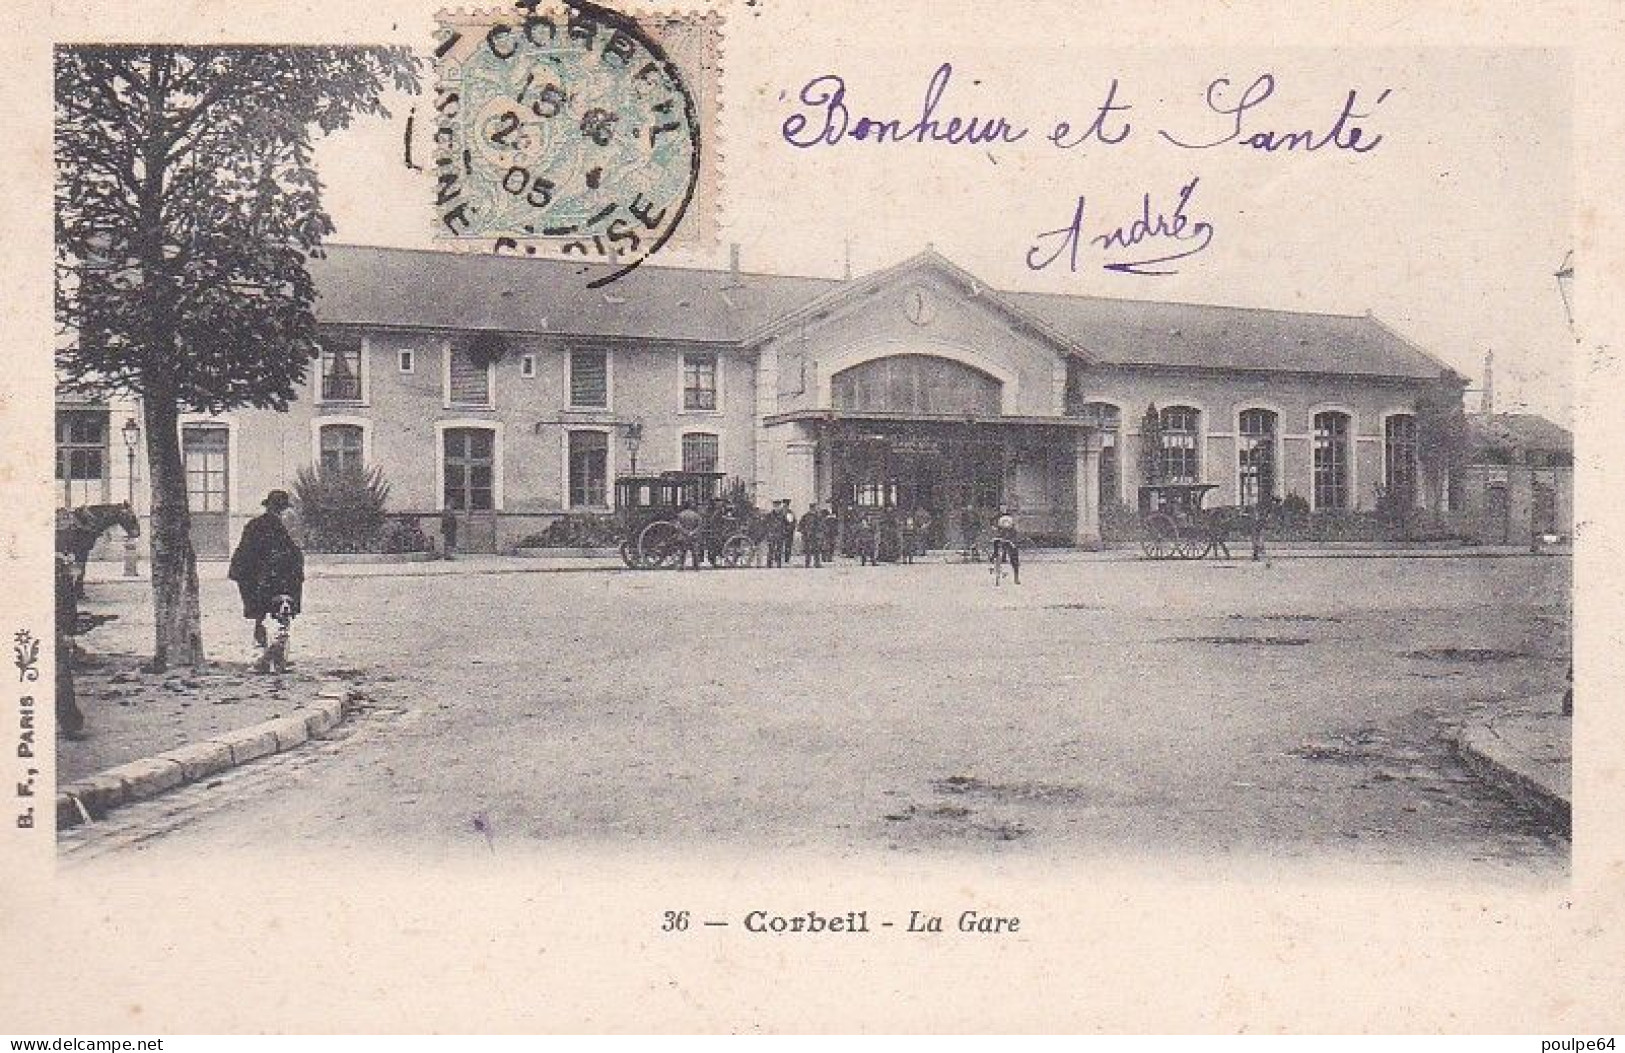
column 916, row 384
column 1331, row 460
column 341, row 448
column 1399, row 453
column 1255, row 455
column 1110, row 422
column 1181, row 463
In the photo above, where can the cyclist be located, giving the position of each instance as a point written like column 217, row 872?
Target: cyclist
column 1007, row 540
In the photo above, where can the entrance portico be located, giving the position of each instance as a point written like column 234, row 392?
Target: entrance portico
column 959, row 469
column 920, row 389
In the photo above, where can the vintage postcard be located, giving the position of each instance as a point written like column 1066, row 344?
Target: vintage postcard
column 762, row 515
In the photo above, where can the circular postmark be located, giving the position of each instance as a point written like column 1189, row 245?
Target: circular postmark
column 564, row 127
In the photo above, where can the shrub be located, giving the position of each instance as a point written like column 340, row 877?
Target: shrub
column 1118, row 523
column 576, row 530
column 1396, row 511
column 1294, row 510
column 405, row 535
column 341, row 511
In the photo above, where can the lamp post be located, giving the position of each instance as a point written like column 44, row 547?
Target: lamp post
column 132, row 438
column 634, row 439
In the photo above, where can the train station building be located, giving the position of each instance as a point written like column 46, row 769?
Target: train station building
column 504, row 389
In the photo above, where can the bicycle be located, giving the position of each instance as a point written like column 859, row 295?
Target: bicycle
column 1004, row 551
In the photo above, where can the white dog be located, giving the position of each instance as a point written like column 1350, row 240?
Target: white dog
column 274, row 655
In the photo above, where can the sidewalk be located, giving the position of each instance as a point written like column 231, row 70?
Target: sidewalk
column 1528, row 757
column 148, row 733
column 112, row 571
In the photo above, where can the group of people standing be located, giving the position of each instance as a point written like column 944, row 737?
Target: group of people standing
column 817, row 527
column 820, row 533
column 871, row 536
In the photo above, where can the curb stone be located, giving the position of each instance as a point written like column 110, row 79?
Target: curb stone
column 1480, row 750
column 93, row 796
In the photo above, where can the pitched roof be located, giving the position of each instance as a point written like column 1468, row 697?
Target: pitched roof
column 1518, row 431
column 451, row 290
column 1145, row 332
column 454, row 290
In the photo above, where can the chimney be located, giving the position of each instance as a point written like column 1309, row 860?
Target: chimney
column 1488, row 405
column 733, row 265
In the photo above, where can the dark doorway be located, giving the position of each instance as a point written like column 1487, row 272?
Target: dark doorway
column 1498, row 515
column 947, row 471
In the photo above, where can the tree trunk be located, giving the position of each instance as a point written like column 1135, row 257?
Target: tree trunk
column 178, row 630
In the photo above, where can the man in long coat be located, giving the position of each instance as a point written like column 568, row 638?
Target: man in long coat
column 268, row 563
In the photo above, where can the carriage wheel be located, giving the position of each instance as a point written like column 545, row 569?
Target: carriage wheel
column 738, row 551
column 1198, row 548
column 1161, row 539
column 660, row 545
column 629, row 553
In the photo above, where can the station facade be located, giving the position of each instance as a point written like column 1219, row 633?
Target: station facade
column 505, row 390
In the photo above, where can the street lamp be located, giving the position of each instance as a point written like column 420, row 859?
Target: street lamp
column 132, row 438
column 634, row 439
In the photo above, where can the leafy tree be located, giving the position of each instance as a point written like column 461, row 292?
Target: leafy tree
column 1442, row 438
column 1151, row 446
column 186, row 208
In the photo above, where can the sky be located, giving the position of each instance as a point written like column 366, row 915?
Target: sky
column 1449, row 229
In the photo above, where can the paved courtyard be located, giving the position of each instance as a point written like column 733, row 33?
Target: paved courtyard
column 1125, row 709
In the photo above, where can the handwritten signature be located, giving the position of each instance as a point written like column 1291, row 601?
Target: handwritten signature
column 1157, row 231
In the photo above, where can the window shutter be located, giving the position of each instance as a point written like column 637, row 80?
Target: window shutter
column 589, row 378
column 470, row 382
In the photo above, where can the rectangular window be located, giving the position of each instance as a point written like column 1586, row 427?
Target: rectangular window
column 81, row 456
column 469, row 381
column 1331, row 460
column 589, row 469
column 589, row 379
column 1109, row 419
column 874, row 494
column 470, row 464
column 341, row 369
column 204, row 449
column 408, row 360
column 1399, row 453
column 527, row 365
column 1179, row 445
column 1255, row 449
column 700, row 452
column 699, row 382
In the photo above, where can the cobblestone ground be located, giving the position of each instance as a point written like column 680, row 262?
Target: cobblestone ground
column 1202, row 711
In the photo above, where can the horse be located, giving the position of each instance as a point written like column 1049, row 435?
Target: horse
column 78, row 530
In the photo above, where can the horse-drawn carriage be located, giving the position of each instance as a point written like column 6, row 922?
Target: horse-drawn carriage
column 1175, row 525
column 651, row 537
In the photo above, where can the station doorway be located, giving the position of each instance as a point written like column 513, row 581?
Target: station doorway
column 950, row 473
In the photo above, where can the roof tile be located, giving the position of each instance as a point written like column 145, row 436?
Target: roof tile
column 367, row 285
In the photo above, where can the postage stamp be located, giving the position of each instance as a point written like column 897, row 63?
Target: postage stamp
column 571, row 129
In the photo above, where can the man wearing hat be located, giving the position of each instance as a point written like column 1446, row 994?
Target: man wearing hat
column 268, row 564
column 787, row 530
column 773, row 535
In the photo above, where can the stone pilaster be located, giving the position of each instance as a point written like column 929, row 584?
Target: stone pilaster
column 1087, row 532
